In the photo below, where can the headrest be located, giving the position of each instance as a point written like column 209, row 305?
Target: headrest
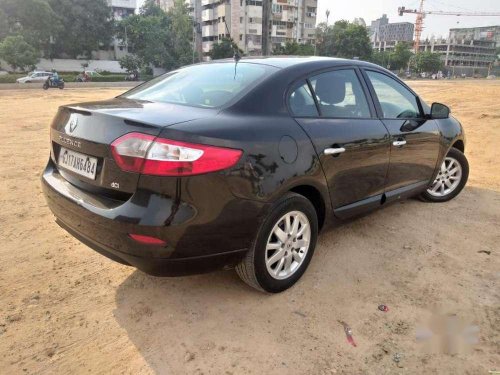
column 297, row 100
column 331, row 90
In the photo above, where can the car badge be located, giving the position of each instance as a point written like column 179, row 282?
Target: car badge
column 73, row 123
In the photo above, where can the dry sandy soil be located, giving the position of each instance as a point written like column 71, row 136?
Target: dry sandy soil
column 65, row 309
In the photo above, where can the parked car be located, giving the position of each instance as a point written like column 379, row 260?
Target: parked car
column 37, row 76
column 240, row 164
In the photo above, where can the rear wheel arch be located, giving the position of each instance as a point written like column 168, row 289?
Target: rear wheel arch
column 316, row 198
column 459, row 145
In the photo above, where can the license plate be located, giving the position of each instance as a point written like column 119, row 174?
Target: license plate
column 81, row 164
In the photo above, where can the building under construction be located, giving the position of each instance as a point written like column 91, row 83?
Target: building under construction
column 467, row 51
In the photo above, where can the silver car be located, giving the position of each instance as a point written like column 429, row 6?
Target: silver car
column 37, row 76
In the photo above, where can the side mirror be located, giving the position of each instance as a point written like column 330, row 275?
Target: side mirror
column 439, row 110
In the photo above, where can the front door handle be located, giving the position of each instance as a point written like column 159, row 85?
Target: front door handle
column 399, row 143
column 334, row 151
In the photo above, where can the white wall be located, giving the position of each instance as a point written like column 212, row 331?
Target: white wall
column 69, row 65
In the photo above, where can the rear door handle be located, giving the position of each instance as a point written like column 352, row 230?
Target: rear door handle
column 399, row 143
column 334, row 151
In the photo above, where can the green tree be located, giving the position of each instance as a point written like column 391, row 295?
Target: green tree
column 130, row 63
column 158, row 38
column 400, row 57
column 147, row 36
column 381, row 58
column 151, row 8
column 427, row 61
column 180, row 43
column 224, row 49
column 343, row 39
column 294, row 49
column 18, row 53
column 86, row 26
column 4, row 24
column 33, row 19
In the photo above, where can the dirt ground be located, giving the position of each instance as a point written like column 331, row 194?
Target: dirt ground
column 65, row 309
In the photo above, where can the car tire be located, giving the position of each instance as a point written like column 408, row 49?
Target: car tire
column 451, row 179
column 291, row 222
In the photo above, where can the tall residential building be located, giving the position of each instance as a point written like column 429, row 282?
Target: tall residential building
column 290, row 20
column 375, row 27
column 385, row 35
column 121, row 9
column 397, row 32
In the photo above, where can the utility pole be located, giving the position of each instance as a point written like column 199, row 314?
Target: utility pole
column 194, row 39
column 327, row 15
column 266, row 27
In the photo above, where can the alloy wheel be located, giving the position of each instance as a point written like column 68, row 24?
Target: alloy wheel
column 287, row 245
column 447, row 179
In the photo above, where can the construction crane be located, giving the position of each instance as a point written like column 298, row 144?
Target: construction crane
column 421, row 13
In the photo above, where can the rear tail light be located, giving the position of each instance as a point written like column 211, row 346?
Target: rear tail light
column 142, row 153
column 147, row 240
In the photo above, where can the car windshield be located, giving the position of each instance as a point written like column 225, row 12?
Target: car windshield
column 207, row 85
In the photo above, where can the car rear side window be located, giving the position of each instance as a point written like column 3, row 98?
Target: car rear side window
column 397, row 101
column 302, row 103
column 340, row 94
column 205, row 85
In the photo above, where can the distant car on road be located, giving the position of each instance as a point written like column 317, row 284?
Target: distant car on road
column 37, row 76
column 240, row 163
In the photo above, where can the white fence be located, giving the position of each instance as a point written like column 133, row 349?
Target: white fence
column 67, row 65
column 70, row 65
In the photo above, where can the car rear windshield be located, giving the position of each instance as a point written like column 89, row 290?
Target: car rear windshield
column 206, row 85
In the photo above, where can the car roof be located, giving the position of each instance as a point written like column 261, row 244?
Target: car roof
column 291, row 61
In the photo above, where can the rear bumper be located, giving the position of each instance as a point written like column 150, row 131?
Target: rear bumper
column 161, row 266
column 198, row 240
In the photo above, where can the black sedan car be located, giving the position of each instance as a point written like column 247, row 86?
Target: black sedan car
column 241, row 163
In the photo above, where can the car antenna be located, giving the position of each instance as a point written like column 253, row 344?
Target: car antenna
column 236, row 55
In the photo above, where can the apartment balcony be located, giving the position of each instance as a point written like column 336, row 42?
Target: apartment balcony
column 130, row 4
column 208, row 14
column 208, row 30
column 223, row 10
column 254, row 28
column 207, row 46
column 207, row 2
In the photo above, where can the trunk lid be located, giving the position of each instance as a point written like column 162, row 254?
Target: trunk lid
column 83, row 133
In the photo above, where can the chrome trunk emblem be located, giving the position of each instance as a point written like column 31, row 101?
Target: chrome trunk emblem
column 73, row 123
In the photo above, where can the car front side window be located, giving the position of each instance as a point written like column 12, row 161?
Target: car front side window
column 396, row 101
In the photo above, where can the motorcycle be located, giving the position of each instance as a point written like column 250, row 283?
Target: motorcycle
column 53, row 84
column 132, row 76
column 83, row 77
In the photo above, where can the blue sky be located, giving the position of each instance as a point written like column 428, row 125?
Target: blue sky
column 437, row 25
